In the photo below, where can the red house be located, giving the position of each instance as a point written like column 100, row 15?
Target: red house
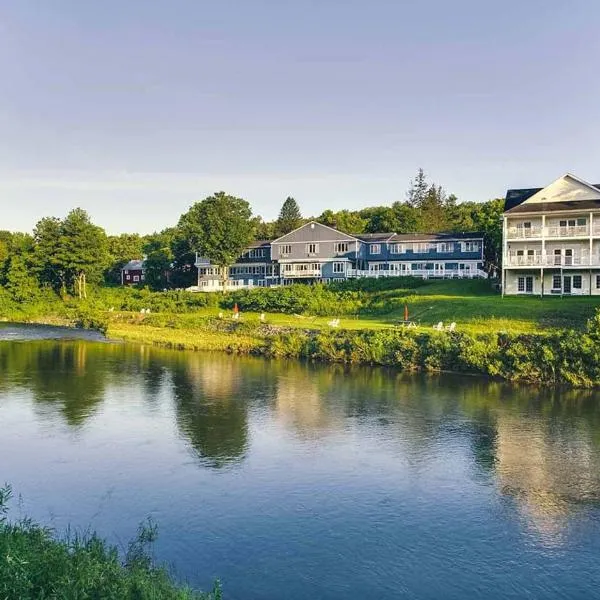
column 133, row 272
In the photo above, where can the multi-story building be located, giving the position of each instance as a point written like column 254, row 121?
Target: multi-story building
column 551, row 239
column 317, row 253
column 133, row 272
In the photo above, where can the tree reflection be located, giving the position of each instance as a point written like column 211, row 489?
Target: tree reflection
column 211, row 410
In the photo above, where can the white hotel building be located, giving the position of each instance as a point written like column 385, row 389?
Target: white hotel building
column 551, row 239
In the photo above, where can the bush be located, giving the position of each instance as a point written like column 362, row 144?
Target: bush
column 34, row 564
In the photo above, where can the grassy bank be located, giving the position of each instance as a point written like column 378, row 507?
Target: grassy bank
column 554, row 357
column 530, row 339
column 35, row 564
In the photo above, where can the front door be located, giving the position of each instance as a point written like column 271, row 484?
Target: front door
column 529, row 284
column 567, row 284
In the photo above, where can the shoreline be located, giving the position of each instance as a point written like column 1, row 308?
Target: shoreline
column 561, row 358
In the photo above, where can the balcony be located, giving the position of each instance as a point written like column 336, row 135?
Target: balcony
column 524, row 233
column 567, row 231
column 543, row 260
column 305, row 273
column 551, row 231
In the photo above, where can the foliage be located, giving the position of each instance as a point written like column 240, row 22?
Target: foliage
column 35, row 564
column 121, row 249
column 218, row 228
column 289, row 218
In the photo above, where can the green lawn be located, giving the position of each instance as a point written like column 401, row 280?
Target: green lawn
column 473, row 305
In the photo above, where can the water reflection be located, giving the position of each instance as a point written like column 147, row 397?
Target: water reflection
column 538, row 448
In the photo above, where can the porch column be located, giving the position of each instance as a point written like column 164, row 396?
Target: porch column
column 542, row 283
column 504, row 253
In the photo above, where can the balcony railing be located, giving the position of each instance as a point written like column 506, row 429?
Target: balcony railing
column 550, row 260
column 525, row 233
column 307, row 273
column 424, row 273
column 567, row 231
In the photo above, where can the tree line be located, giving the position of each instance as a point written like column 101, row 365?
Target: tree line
column 66, row 255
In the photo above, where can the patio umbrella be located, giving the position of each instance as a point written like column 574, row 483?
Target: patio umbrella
column 235, row 308
column 406, row 312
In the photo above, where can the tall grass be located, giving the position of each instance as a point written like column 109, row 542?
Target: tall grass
column 35, row 564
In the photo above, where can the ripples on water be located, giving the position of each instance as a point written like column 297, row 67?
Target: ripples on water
column 296, row 481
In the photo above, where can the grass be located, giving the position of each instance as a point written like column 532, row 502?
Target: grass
column 36, row 564
column 473, row 305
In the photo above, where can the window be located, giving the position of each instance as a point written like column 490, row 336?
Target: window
column 375, row 248
column 445, row 247
column 312, row 248
column 338, row 267
column 397, row 248
column 341, row 247
column 471, row 247
column 527, row 225
column 556, row 282
column 567, row 223
column 577, row 282
column 521, row 284
column 142, row 277
column 420, row 248
column 581, row 222
column 598, row 282
column 256, row 253
column 418, row 267
column 285, row 250
column 136, row 278
column 128, row 277
column 126, row 272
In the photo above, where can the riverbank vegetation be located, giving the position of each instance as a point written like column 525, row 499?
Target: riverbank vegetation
column 550, row 340
column 36, row 564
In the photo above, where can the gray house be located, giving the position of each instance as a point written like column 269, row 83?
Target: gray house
column 318, row 253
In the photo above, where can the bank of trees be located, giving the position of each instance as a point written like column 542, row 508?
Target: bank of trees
column 70, row 254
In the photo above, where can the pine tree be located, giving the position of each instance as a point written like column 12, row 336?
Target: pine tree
column 418, row 190
column 289, row 218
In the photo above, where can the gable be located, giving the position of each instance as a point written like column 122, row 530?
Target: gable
column 314, row 232
column 565, row 189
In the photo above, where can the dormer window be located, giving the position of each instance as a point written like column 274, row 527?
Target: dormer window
column 375, row 248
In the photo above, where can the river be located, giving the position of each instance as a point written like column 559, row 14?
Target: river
column 290, row 480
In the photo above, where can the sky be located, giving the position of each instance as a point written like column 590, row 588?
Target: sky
column 135, row 110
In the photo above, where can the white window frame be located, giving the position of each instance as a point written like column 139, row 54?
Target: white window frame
column 579, row 278
column 445, row 247
column 397, row 248
column 256, row 253
column 598, row 282
column 312, row 248
column 470, row 246
column 556, row 278
column 375, row 249
column 339, row 267
column 285, row 250
column 342, row 247
column 421, row 248
column 136, row 278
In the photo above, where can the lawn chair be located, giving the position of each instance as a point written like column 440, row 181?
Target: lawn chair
column 262, row 317
column 334, row 323
column 451, row 327
column 439, row 326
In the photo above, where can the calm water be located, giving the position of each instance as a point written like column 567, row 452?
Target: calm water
column 295, row 481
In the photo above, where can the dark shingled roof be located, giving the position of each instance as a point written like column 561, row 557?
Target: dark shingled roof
column 408, row 237
column 259, row 244
column 554, row 206
column 373, row 237
column 515, row 198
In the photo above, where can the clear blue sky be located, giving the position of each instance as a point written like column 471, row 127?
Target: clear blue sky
column 135, row 109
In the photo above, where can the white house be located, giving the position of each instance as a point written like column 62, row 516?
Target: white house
column 551, row 239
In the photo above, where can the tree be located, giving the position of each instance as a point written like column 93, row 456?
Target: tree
column 18, row 275
column 289, row 217
column 343, row 220
column 219, row 228
column 417, row 190
column 83, row 251
column 46, row 260
column 160, row 257
column 121, row 249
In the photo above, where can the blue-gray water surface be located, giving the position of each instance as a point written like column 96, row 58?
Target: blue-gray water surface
column 289, row 480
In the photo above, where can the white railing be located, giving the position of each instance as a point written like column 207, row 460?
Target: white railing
column 308, row 273
column 567, row 231
column 424, row 273
column 525, row 233
column 550, row 260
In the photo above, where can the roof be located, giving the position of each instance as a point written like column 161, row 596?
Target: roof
column 373, row 237
column 516, row 197
column 133, row 265
column 259, row 244
column 554, row 206
column 408, row 237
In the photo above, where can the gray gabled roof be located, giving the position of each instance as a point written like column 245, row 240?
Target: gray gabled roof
column 314, row 232
column 374, row 237
column 436, row 237
column 514, row 198
column 133, row 265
